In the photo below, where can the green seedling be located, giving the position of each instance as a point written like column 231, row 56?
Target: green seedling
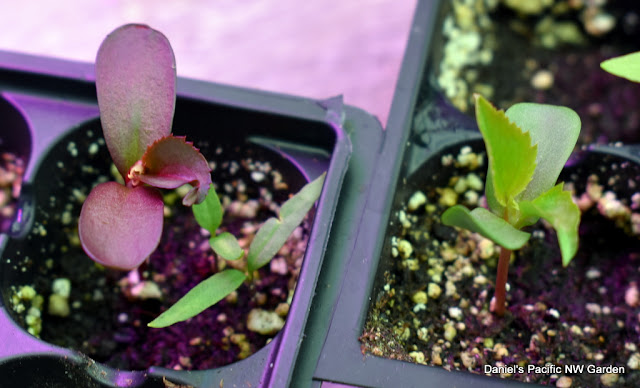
column 527, row 147
column 270, row 238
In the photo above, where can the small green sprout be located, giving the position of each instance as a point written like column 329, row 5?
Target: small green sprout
column 625, row 66
column 270, row 238
column 527, row 147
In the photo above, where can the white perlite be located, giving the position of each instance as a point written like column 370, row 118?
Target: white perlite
column 634, row 361
column 455, row 313
column 564, row 382
column 434, row 290
column 59, row 305
column 264, row 322
column 417, row 199
column 61, row 287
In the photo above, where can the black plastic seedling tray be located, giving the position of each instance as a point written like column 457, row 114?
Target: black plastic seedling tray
column 42, row 100
column 413, row 145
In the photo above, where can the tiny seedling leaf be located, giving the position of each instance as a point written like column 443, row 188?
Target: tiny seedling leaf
column 261, row 247
column 296, row 207
column 209, row 212
column 557, row 207
column 511, row 155
column 275, row 232
column 201, row 297
column 487, row 224
column 119, row 227
column 625, row 66
column 555, row 130
column 226, row 246
column 136, row 88
column 171, row 162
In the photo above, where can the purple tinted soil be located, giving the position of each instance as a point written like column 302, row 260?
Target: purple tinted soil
column 108, row 318
column 608, row 105
column 11, row 171
column 587, row 313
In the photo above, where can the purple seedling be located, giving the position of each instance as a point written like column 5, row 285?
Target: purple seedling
column 120, row 225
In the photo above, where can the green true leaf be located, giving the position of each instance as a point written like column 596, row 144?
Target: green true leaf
column 510, row 153
column 226, row 246
column 275, row 232
column 557, row 207
column 201, row 297
column 260, row 248
column 625, row 66
column 296, row 207
column 487, row 224
column 209, row 213
column 555, row 130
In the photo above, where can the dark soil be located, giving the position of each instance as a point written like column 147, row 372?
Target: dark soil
column 608, row 105
column 108, row 317
column 431, row 302
column 587, row 313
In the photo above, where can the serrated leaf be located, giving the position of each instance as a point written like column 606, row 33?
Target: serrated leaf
column 487, row 224
column 171, row 162
column 510, row 153
column 226, row 246
column 625, row 66
column 557, row 207
column 555, row 130
column 201, row 297
column 136, row 88
column 119, row 227
column 209, row 212
column 275, row 232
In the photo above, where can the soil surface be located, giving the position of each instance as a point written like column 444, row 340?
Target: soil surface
column 432, row 299
column 107, row 311
column 531, row 63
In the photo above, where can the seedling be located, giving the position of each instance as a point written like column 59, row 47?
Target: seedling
column 270, row 238
column 527, row 148
column 120, row 225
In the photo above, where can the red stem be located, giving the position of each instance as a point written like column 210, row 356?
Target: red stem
column 501, row 281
